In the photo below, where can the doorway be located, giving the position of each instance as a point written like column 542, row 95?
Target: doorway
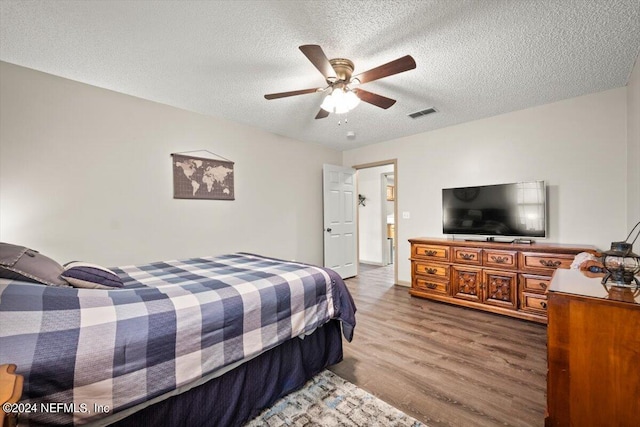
column 377, row 186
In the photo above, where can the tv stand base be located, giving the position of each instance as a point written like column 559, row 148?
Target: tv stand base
column 493, row 239
column 523, row 241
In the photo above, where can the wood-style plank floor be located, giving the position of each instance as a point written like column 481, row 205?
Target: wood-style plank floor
column 442, row 364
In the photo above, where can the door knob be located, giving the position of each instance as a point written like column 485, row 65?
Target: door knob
column 328, row 230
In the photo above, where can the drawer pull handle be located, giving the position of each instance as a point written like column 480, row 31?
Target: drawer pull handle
column 543, row 285
column 430, row 253
column 550, row 263
column 543, row 304
column 499, row 259
column 431, row 270
column 468, row 256
column 431, row 285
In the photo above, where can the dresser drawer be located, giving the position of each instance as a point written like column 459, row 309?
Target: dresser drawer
column 535, row 261
column 500, row 259
column 431, row 285
column 432, row 252
column 472, row 256
column 534, row 283
column 534, row 303
column 433, row 270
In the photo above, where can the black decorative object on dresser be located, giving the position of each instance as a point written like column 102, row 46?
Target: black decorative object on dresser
column 505, row 278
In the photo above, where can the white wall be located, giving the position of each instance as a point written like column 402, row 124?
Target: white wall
column 578, row 146
column 370, row 226
column 85, row 174
column 633, row 149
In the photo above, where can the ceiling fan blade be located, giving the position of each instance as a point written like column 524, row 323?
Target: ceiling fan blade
column 292, row 93
column 322, row 114
column 316, row 55
column 375, row 99
column 400, row 65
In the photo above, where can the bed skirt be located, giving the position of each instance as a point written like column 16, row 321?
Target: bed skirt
column 239, row 395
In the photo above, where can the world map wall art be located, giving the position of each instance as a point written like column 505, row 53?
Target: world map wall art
column 199, row 178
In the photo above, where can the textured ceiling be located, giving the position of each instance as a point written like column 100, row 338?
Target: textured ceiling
column 474, row 58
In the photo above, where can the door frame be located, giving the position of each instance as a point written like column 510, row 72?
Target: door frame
column 384, row 181
column 393, row 162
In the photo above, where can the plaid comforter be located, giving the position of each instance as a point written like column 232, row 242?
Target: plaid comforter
column 84, row 351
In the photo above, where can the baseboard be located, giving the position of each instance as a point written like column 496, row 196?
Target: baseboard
column 404, row 283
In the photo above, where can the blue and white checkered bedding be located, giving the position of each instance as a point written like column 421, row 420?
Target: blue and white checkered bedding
column 84, row 350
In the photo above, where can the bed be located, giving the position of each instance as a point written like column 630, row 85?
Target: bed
column 199, row 341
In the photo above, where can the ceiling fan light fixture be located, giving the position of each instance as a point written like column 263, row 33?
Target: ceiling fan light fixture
column 351, row 100
column 328, row 104
column 340, row 101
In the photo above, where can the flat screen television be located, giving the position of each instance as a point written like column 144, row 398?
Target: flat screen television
column 516, row 209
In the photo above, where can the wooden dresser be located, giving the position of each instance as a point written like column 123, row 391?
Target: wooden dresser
column 505, row 278
column 593, row 354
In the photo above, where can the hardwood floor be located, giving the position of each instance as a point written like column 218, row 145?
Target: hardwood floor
column 442, row 364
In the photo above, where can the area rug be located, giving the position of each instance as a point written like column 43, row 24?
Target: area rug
column 327, row 400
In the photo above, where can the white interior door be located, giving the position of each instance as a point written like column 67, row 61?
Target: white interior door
column 340, row 201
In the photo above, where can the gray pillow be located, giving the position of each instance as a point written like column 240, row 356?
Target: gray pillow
column 20, row 263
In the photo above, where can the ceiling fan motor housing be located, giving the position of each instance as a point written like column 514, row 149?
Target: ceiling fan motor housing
column 343, row 68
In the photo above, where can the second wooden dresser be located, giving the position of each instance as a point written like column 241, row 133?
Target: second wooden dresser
column 505, row 278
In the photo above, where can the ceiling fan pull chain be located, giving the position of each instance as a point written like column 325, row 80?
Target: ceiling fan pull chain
column 346, row 120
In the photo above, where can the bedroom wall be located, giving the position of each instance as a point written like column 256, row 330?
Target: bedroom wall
column 633, row 149
column 578, row 146
column 85, row 174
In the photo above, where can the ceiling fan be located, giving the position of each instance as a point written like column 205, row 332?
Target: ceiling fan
column 338, row 75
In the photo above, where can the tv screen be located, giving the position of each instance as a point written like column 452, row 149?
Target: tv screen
column 517, row 209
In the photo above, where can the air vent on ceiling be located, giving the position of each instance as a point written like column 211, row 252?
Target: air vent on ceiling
column 422, row 113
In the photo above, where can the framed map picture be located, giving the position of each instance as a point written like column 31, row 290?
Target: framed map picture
column 199, row 178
